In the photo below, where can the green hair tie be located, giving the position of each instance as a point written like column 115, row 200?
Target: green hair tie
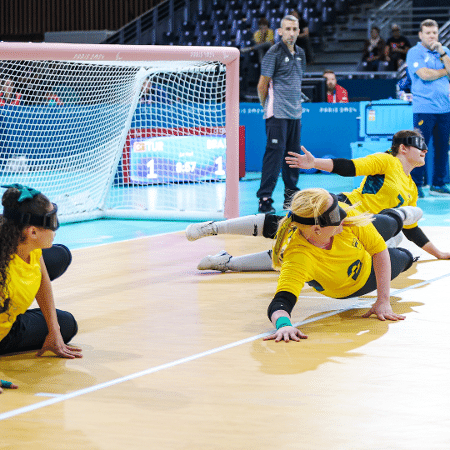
column 26, row 193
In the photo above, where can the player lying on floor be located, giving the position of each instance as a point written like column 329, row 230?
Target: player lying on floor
column 387, row 184
column 336, row 250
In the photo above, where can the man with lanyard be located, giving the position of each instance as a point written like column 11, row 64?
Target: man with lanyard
column 335, row 93
column 279, row 91
column 429, row 67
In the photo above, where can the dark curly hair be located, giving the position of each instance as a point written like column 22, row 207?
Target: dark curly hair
column 11, row 234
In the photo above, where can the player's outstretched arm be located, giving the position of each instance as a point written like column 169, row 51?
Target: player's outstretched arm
column 7, row 385
column 285, row 331
column 308, row 161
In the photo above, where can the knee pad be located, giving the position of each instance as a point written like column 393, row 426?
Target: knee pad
column 410, row 255
column 395, row 215
column 270, row 226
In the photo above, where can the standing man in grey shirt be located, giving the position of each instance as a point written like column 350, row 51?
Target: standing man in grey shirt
column 279, row 91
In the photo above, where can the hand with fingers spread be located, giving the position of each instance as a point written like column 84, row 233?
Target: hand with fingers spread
column 299, row 161
column 287, row 334
column 56, row 345
column 383, row 311
column 285, row 331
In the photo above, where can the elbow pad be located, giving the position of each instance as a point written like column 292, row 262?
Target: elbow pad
column 282, row 300
column 344, row 167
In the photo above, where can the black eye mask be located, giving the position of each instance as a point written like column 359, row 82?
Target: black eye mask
column 48, row 220
column 332, row 217
column 412, row 141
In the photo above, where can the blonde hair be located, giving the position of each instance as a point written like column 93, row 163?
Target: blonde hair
column 309, row 203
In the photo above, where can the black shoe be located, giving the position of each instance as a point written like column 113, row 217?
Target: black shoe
column 265, row 206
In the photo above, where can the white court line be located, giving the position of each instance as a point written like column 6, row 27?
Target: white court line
column 359, row 303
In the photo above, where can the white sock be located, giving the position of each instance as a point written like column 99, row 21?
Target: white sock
column 255, row 262
column 246, row 225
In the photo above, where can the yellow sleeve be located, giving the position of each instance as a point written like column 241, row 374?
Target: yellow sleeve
column 294, row 270
column 413, row 202
column 370, row 238
column 372, row 164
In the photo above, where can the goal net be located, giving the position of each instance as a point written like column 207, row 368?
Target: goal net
column 109, row 131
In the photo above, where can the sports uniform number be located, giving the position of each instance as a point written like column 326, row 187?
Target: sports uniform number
column 400, row 200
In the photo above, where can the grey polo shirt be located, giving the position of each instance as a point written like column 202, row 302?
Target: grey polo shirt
column 286, row 71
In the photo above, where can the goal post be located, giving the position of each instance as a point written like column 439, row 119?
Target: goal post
column 121, row 131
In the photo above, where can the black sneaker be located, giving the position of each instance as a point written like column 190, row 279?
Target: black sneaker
column 265, row 206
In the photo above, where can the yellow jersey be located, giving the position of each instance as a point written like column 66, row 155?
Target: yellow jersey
column 385, row 185
column 338, row 272
column 260, row 39
column 23, row 285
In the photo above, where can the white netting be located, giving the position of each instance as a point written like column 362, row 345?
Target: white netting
column 116, row 140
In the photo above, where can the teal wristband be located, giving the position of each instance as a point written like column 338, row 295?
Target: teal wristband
column 283, row 322
column 5, row 384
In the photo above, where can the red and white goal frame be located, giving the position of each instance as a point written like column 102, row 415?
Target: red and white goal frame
column 77, row 117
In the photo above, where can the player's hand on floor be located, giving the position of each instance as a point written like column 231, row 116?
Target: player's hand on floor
column 286, row 334
column 7, row 385
column 383, row 312
column 56, row 345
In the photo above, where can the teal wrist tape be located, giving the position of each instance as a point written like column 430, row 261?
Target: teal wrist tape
column 5, row 384
column 283, row 322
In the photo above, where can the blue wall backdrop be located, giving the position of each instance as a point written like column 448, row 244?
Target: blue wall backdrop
column 327, row 129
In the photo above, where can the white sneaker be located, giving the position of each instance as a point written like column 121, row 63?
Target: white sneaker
column 394, row 241
column 412, row 214
column 215, row 262
column 198, row 230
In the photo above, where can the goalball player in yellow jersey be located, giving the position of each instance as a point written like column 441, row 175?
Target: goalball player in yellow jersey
column 27, row 227
column 388, row 184
column 338, row 252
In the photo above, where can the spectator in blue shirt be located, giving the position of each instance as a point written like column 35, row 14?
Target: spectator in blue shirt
column 429, row 66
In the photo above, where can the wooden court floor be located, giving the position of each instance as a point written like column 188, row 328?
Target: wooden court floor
column 174, row 359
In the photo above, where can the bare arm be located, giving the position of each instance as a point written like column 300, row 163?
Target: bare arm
column 437, row 46
column 54, row 341
column 430, row 248
column 286, row 333
column 446, row 60
column 308, row 161
column 382, row 307
column 263, row 88
column 427, row 74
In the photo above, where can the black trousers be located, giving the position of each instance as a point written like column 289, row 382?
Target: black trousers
column 30, row 329
column 388, row 223
column 283, row 135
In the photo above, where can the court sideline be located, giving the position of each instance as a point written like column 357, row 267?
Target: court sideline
column 174, row 358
